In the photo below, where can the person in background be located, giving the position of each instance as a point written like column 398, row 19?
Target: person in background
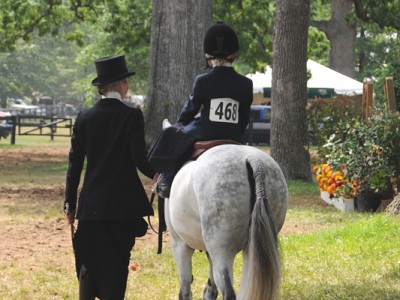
column 218, row 107
column 112, row 201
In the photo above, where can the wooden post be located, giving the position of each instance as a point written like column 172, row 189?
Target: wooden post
column 367, row 97
column 14, row 129
column 389, row 93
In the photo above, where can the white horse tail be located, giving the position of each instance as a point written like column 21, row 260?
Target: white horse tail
column 261, row 262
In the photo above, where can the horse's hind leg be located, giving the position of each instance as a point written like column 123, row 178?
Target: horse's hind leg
column 183, row 258
column 210, row 291
column 223, row 273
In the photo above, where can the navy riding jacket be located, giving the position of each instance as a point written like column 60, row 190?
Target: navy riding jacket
column 219, row 105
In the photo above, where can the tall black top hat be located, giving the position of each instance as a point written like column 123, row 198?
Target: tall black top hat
column 220, row 41
column 110, row 69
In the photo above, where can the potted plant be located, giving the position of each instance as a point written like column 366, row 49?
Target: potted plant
column 335, row 185
column 370, row 151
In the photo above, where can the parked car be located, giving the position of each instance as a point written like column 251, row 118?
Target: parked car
column 5, row 129
column 259, row 128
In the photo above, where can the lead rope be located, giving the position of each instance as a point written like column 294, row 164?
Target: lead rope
column 161, row 215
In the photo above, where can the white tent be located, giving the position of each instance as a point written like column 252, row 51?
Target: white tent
column 321, row 78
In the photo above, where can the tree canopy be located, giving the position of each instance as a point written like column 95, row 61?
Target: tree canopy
column 35, row 35
column 102, row 28
column 383, row 13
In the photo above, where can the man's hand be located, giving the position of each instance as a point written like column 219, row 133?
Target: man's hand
column 69, row 214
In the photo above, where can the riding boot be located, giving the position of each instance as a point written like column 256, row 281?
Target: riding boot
column 86, row 288
column 165, row 182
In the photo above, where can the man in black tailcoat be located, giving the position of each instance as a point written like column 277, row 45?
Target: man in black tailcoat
column 112, row 201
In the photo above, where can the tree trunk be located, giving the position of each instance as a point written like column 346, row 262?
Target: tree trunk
column 176, row 57
column 341, row 34
column 289, row 137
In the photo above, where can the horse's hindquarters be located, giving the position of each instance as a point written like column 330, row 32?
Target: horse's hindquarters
column 213, row 202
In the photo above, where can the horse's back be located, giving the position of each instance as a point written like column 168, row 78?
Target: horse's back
column 212, row 197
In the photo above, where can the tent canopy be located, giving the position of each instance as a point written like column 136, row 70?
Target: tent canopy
column 323, row 82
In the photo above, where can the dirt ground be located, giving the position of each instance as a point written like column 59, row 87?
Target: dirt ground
column 23, row 237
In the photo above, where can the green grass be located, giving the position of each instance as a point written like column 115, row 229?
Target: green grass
column 32, row 170
column 30, row 141
column 355, row 260
column 358, row 259
column 36, row 173
column 302, row 190
column 326, row 254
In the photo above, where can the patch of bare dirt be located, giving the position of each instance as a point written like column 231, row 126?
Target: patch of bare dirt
column 25, row 229
column 24, row 236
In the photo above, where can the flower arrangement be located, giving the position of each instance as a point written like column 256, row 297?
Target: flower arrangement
column 335, row 181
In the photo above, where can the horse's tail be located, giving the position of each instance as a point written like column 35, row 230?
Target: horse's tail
column 262, row 268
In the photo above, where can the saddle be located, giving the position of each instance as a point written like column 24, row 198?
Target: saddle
column 200, row 147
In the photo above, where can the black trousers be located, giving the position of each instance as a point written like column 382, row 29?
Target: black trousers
column 171, row 149
column 104, row 247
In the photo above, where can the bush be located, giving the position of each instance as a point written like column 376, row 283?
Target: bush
column 368, row 148
column 325, row 117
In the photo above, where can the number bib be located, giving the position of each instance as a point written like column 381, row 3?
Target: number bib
column 224, row 110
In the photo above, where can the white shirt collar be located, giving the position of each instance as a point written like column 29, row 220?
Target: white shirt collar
column 224, row 65
column 112, row 94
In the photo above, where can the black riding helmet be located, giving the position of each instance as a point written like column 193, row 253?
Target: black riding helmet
column 220, row 41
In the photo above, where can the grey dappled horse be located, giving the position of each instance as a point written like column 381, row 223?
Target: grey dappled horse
column 232, row 198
